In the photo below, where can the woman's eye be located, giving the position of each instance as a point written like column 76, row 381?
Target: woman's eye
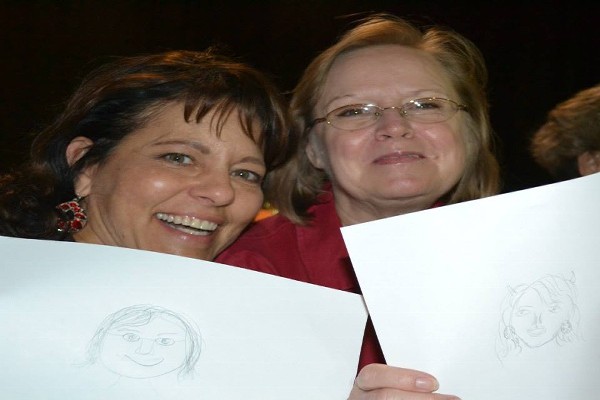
column 247, row 175
column 426, row 105
column 354, row 111
column 178, row 158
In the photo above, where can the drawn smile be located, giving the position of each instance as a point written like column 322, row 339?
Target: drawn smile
column 535, row 332
column 146, row 363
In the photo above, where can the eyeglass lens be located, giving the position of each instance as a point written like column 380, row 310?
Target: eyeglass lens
column 426, row 110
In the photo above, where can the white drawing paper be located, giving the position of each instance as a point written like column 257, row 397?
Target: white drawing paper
column 499, row 298
column 83, row 321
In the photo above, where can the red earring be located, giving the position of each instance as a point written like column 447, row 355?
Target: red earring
column 73, row 217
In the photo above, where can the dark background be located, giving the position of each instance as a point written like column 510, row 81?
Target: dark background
column 538, row 53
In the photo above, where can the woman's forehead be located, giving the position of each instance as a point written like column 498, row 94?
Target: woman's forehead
column 389, row 70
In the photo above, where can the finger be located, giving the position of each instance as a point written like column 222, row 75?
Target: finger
column 393, row 394
column 376, row 376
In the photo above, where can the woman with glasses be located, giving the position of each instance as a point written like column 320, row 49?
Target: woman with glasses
column 393, row 120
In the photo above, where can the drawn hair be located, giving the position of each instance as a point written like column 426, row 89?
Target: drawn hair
column 143, row 314
column 550, row 289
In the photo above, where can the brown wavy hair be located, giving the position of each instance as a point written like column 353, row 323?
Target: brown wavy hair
column 119, row 98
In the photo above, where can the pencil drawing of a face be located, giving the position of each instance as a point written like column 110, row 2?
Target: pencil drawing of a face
column 145, row 351
column 537, row 314
column 537, row 321
column 145, row 341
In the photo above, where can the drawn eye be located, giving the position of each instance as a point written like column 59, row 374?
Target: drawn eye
column 554, row 308
column 178, row 158
column 522, row 312
column 131, row 337
column 163, row 341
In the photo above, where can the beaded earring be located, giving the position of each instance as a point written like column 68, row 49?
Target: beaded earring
column 73, row 217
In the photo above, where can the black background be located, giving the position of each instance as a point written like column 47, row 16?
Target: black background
column 538, row 53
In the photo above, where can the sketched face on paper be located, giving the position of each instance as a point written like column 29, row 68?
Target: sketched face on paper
column 538, row 314
column 145, row 351
column 145, row 341
column 537, row 322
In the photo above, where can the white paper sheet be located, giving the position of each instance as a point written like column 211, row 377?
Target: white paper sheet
column 73, row 327
column 499, row 298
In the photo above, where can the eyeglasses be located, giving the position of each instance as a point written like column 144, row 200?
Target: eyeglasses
column 427, row 110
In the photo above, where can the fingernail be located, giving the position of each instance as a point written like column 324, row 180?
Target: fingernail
column 427, row 383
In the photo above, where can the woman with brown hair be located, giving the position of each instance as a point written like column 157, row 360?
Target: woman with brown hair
column 165, row 152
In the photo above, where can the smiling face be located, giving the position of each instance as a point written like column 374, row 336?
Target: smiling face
column 174, row 186
column 395, row 166
column 537, row 322
column 145, row 351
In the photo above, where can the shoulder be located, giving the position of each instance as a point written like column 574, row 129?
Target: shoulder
column 267, row 228
column 260, row 244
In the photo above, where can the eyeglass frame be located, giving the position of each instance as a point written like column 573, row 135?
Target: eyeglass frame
column 401, row 112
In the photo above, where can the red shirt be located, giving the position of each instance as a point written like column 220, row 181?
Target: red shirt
column 313, row 253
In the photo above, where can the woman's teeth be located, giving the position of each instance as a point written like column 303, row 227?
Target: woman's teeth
column 185, row 223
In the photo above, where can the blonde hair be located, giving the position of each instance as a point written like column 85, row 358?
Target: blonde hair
column 295, row 187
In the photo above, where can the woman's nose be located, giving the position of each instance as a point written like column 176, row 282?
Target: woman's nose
column 214, row 187
column 392, row 124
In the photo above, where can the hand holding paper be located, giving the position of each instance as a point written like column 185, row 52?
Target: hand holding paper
column 380, row 381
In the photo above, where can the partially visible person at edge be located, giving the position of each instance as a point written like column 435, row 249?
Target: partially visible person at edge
column 568, row 144
column 163, row 152
column 394, row 120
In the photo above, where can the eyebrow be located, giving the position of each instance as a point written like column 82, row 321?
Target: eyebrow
column 190, row 143
column 413, row 94
column 205, row 150
column 253, row 160
column 127, row 329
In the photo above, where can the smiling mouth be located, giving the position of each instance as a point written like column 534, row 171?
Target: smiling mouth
column 398, row 158
column 189, row 225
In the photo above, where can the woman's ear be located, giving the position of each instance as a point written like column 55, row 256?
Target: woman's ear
column 589, row 163
column 75, row 150
column 314, row 152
